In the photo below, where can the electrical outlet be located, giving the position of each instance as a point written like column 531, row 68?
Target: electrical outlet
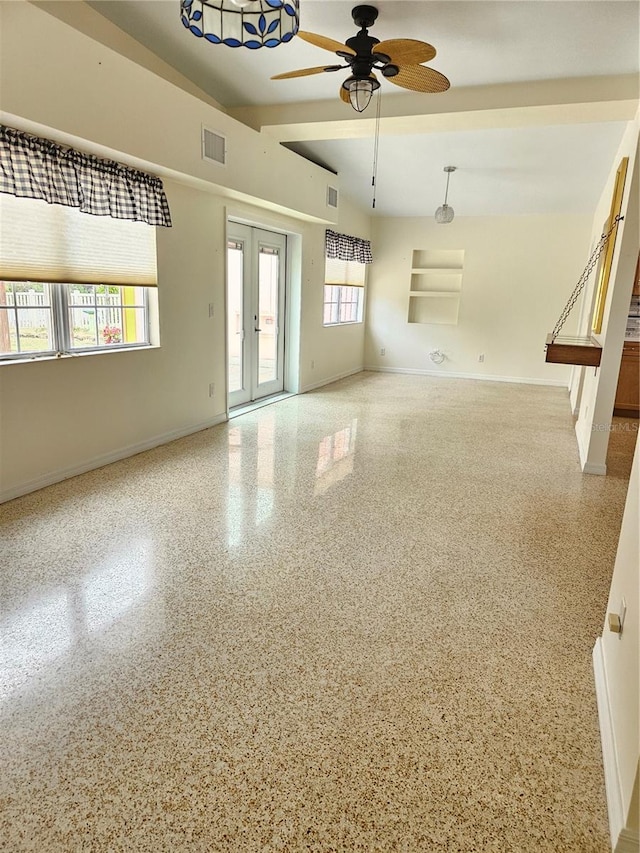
column 313, row 364
column 383, row 351
column 481, row 357
column 211, row 309
column 212, row 389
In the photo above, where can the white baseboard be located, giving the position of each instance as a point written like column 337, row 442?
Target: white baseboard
column 485, row 377
column 331, row 379
column 628, row 842
column 591, row 468
column 106, row 459
column 587, row 467
column 622, row 839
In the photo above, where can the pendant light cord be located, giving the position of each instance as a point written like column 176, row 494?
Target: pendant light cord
column 446, row 192
column 376, row 145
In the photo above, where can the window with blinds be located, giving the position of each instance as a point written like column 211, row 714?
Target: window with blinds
column 54, row 243
column 343, row 292
column 70, row 281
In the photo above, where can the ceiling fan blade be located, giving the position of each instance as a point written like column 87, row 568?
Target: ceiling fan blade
column 406, row 51
column 420, row 79
column 304, row 72
column 325, row 42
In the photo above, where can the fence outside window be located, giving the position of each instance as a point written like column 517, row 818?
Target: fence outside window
column 81, row 314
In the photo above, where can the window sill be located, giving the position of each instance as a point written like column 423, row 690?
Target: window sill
column 68, row 355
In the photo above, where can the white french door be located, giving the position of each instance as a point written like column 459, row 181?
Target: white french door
column 255, row 312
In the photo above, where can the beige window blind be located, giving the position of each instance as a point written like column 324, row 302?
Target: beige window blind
column 58, row 244
column 344, row 272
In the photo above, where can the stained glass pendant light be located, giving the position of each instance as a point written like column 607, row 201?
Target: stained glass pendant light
column 444, row 214
column 242, row 23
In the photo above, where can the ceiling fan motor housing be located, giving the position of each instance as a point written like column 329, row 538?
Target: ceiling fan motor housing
column 363, row 46
column 364, row 16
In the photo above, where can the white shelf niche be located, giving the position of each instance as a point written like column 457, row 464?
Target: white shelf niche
column 440, row 309
column 429, row 281
column 435, row 286
column 437, row 259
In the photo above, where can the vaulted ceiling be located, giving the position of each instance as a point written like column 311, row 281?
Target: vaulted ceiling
column 540, row 93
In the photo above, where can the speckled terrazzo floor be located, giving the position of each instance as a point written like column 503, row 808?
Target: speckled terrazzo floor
column 357, row 620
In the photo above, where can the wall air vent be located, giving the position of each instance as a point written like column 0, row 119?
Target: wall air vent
column 214, row 147
column 332, row 197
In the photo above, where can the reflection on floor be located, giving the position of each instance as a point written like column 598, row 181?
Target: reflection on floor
column 360, row 619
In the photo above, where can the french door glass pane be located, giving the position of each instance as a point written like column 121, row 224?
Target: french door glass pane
column 235, row 308
column 268, row 267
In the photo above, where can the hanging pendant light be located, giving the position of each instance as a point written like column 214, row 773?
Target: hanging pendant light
column 444, row 214
column 242, row 23
column 360, row 90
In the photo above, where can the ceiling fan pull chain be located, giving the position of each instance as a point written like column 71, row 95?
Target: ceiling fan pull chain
column 584, row 278
column 376, row 145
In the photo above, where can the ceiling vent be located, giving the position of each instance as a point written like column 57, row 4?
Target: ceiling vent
column 214, row 147
column 332, row 197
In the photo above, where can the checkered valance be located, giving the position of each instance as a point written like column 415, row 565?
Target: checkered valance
column 39, row 168
column 347, row 248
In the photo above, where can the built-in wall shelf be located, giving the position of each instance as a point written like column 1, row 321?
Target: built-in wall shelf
column 437, row 275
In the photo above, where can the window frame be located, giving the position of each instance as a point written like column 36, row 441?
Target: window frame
column 60, row 325
column 341, row 288
column 346, row 276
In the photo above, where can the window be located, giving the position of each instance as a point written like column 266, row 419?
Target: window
column 26, row 319
column 77, row 249
column 42, row 319
column 343, row 292
column 342, row 304
column 73, row 282
column 105, row 316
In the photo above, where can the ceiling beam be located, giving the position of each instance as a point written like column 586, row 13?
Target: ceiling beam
column 543, row 102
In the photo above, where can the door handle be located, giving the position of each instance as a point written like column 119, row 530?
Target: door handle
column 257, row 330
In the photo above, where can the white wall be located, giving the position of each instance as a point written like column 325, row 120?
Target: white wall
column 59, row 416
column 595, row 398
column 325, row 353
column 62, row 416
column 617, row 662
column 59, row 78
column 518, row 274
column 335, row 351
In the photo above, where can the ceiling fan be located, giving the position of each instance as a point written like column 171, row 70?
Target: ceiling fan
column 399, row 60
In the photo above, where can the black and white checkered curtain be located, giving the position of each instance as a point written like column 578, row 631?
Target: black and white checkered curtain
column 39, row 168
column 347, row 248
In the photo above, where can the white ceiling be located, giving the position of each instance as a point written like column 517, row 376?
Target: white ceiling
column 556, row 168
column 499, row 172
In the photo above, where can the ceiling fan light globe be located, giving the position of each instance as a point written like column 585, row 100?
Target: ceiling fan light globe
column 444, row 214
column 360, row 91
column 242, row 4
